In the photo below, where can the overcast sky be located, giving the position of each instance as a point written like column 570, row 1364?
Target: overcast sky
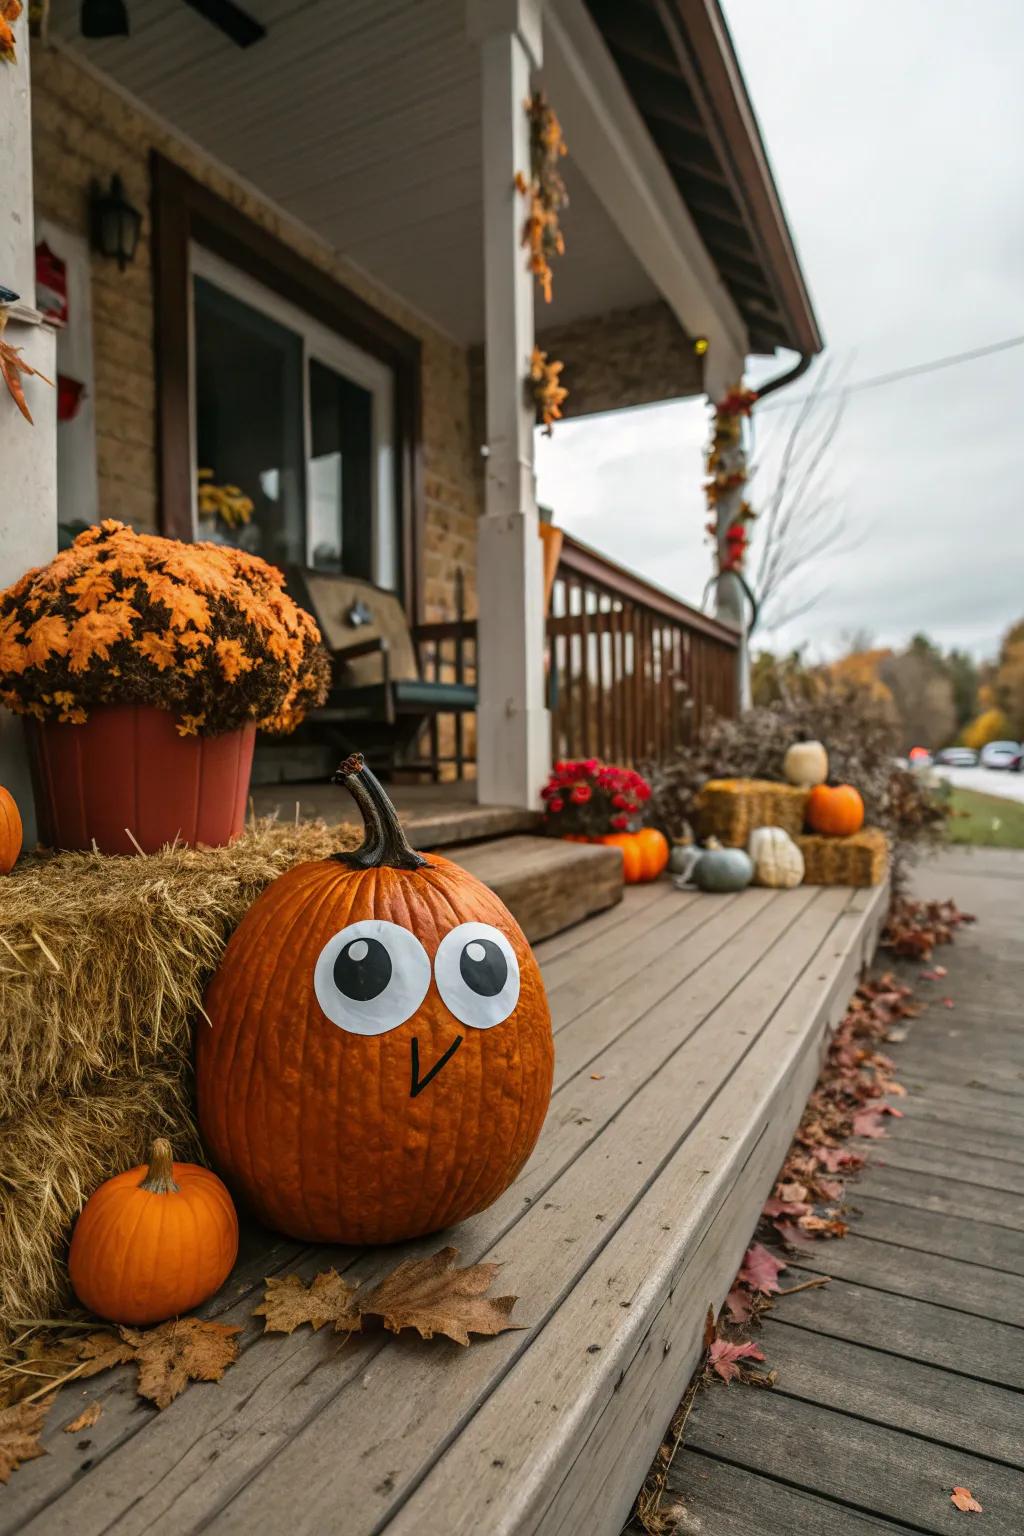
column 896, row 133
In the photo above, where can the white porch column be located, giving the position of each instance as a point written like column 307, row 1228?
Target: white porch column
column 513, row 727
column 28, row 454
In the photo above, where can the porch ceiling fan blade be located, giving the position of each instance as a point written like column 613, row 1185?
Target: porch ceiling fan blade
column 235, row 23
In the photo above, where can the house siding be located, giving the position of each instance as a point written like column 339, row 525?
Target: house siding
column 83, row 131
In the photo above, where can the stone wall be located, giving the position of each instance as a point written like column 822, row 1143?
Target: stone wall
column 83, row 130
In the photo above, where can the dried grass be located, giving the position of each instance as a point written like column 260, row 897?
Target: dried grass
column 103, row 965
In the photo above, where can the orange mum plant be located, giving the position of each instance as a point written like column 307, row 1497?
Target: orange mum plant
column 202, row 630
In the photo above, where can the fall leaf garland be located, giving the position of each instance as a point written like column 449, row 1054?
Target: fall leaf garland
column 10, row 10
column 203, row 630
column 546, row 389
column 726, row 466
column 542, row 235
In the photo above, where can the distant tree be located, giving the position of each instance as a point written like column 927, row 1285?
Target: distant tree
column 990, row 725
column 963, row 674
column 1008, row 679
column 922, row 692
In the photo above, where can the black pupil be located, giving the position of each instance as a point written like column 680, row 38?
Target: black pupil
column 484, row 967
column 362, row 969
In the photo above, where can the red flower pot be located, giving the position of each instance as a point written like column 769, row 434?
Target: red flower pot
column 128, row 770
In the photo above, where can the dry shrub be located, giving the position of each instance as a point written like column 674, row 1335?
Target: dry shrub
column 859, row 733
column 103, row 965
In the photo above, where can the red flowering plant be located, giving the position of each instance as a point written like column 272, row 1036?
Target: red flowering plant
column 589, row 798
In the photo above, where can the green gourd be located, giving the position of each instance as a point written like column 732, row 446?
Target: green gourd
column 722, row 870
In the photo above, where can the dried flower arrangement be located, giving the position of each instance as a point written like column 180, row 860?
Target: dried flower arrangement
column 545, row 190
column 589, row 798
column 202, row 630
column 726, row 466
column 228, row 503
column 547, row 391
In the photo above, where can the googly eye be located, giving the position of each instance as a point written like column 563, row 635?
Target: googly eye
column 371, row 977
column 477, row 975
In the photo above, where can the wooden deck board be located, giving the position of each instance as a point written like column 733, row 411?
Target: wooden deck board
column 703, row 1041
column 903, row 1377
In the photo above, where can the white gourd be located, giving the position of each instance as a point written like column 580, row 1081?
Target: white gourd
column 777, row 860
column 806, row 764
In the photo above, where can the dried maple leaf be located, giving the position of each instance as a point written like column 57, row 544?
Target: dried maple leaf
column 760, row 1269
column 20, row 1428
column 723, row 1357
column 288, row 1302
column 86, row 1419
column 183, row 1350
column 433, row 1296
column 739, row 1304
column 964, row 1500
column 868, row 1122
column 101, row 1351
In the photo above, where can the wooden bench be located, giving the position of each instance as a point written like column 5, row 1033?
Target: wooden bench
column 689, row 1031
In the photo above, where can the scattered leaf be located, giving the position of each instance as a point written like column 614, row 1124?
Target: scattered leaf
column 597, row 1077
column 183, row 1350
column 20, row 1428
column 433, row 1296
column 101, row 1351
column 289, row 1302
column 724, row 1357
column 868, row 1122
column 964, row 1500
column 947, row 1002
column 86, row 1419
column 760, row 1269
column 739, row 1304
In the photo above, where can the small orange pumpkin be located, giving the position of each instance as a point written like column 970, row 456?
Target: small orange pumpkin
column 153, row 1242
column 10, row 832
column 378, row 1059
column 835, row 811
column 644, row 853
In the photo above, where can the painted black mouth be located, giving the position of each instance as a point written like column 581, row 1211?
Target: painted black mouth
column 419, row 1083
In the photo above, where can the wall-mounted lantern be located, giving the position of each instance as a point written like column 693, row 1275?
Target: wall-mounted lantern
column 116, row 224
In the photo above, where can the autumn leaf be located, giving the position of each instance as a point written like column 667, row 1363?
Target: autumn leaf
column 723, row 1357
column 20, row 1428
column 964, row 1500
column 760, row 1269
column 739, row 1304
column 47, row 637
column 288, row 1302
column 868, row 1122
column 433, row 1296
column 183, row 1350
column 86, row 1419
column 102, row 1351
column 94, row 633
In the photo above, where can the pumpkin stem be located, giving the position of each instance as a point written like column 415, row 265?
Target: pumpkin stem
column 159, row 1178
column 385, row 845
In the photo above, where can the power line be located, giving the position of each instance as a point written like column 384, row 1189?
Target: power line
column 905, row 373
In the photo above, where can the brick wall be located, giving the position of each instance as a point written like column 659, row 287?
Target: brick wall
column 82, row 131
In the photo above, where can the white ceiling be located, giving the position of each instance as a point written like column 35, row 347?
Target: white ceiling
column 360, row 118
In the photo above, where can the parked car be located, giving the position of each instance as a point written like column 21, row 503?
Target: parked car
column 1000, row 754
column 920, row 757
column 957, row 757
column 1017, row 766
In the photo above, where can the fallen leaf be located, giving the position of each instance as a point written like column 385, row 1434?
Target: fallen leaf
column 964, row 1499
column 597, row 1077
column 433, row 1296
column 86, row 1419
column 792, row 1191
column 868, row 1122
column 183, row 1350
column 101, row 1351
column 739, row 1304
column 774, row 1207
column 710, row 1331
column 288, row 1302
column 760, row 1269
column 947, row 1002
column 723, row 1357
column 20, row 1427
column 935, row 974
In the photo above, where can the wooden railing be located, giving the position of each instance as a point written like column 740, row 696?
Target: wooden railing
column 632, row 672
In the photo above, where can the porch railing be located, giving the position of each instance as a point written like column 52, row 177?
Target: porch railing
column 632, row 672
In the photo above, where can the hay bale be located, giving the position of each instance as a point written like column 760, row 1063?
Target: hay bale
column 51, row 1159
column 861, row 859
column 730, row 809
column 103, row 961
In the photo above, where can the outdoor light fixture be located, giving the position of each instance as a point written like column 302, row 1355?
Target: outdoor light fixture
column 115, row 223
column 700, row 345
column 104, row 18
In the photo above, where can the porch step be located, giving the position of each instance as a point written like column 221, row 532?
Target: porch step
column 434, row 816
column 546, row 884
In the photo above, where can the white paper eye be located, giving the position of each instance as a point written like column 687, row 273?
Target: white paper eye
column 371, row 977
column 477, row 975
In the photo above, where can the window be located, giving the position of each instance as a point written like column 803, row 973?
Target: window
column 295, row 420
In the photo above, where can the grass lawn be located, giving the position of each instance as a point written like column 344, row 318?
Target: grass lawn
column 985, row 820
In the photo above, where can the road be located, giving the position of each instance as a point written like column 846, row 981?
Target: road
column 988, row 781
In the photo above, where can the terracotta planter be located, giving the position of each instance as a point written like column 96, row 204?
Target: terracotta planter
column 127, row 768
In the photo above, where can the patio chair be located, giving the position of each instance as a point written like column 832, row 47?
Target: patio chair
column 379, row 701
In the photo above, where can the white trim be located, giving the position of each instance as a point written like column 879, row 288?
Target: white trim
column 323, row 345
column 613, row 148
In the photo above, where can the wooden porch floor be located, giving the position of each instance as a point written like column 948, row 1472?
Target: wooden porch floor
column 902, row 1378
column 689, row 1031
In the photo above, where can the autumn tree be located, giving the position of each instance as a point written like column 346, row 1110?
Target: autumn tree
column 922, row 692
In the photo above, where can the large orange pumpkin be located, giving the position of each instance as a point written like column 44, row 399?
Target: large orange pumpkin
column 378, row 1059
column 153, row 1242
column 836, row 812
column 644, row 853
column 10, row 831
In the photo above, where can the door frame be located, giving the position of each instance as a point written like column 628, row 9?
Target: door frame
column 186, row 212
